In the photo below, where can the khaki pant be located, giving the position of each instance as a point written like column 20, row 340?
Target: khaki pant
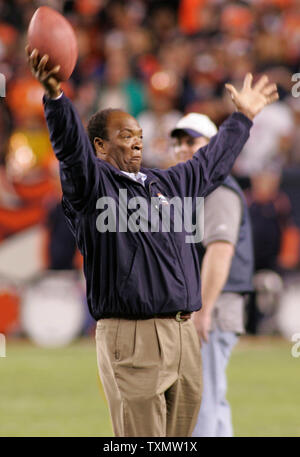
column 151, row 374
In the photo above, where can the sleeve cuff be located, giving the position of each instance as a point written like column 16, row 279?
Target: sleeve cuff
column 60, row 95
column 216, row 238
column 50, row 101
column 243, row 118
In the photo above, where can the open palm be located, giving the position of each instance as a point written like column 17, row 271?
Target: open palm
column 251, row 100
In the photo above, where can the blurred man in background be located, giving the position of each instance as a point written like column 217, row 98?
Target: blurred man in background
column 275, row 235
column 226, row 271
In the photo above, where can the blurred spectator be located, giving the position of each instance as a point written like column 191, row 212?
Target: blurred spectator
column 276, row 239
column 120, row 89
column 159, row 119
column 270, row 212
column 21, row 203
column 197, row 16
column 293, row 155
column 6, row 126
column 270, row 139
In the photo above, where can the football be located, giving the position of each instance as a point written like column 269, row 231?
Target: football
column 50, row 33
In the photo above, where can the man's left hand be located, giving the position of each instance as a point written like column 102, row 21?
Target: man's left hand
column 202, row 322
column 251, row 100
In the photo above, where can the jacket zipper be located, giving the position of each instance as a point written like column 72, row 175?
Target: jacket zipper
column 177, row 255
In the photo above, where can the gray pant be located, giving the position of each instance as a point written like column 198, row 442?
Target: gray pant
column 214, row 417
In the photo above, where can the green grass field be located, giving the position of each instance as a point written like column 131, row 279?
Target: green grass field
column 56, row 392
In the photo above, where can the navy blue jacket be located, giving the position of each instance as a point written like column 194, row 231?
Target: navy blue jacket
column 143, row 273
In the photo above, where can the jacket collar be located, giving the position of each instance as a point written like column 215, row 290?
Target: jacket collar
column 119, row 175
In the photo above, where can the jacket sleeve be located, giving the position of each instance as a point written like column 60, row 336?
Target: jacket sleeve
column 211, row 164
column 79, row 168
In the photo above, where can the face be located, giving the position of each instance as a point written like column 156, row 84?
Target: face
column 124, row 147
column 185, row 145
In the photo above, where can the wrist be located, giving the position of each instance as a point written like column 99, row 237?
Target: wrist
column 246, row 113
column 205, row 311
column 53, row 93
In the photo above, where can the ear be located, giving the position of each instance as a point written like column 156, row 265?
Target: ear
column 100, row 146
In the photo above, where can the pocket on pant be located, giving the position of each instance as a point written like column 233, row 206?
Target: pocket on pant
column 193, row 329
column 107, row 335
column 117, row 340
column 125, row 342
column 99, row 329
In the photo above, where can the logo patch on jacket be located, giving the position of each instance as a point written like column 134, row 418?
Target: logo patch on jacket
column 162, row 199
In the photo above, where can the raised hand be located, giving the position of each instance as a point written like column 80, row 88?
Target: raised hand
column 251, row 100
column 45, row 77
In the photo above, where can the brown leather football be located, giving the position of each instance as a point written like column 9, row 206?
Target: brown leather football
column 52, row 34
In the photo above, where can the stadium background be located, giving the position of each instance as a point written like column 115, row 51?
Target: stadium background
column 156, row 60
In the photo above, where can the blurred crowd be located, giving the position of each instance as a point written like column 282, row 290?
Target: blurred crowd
column 158, row 60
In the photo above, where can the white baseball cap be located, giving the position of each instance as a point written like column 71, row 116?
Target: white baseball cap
column 195, row 124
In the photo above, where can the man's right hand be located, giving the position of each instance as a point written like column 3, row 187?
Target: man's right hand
column 45, row 77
